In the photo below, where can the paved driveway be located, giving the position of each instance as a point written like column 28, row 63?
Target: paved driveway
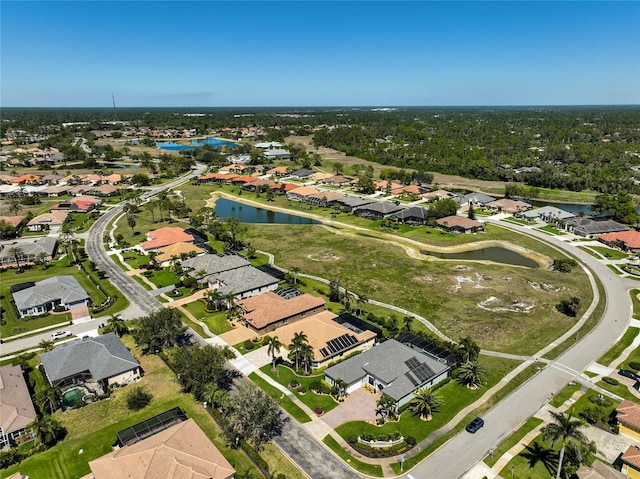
column 359, row 406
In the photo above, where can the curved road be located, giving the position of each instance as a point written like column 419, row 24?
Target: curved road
column 463, row 451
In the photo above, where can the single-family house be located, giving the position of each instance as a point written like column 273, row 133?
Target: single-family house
column 631, row 462
column 179, row 451
column 625, row 240
column 266, row 145
column 52, row 178
column 14, row 221
column 100, row 360
column 377, row 210
column 336, row 180
column 283, row 188
column 323, row 198
column 29, row 247
column 508, row 205
column 329, row 339
column 591, row 228
column 218, row 178
column 475, row 199
column 277, row 154
column 16, row 407
column 409, row 190
column 302, row 174
column 236, row 169
column 177, row 250
column 164, row 237
column 546, row 213
column 459, row 224
column 239, row 159
column 241, row 180
column 278, row 171
column 26, row 179
column 41, row 297
column 56, row 190
column 47, row 221
column 275, row 308
column 628, row 416
column 350, row 203
column 318, row 176
column 599, row 470
column 258, row 184
column 391, row 367
column 413, row 216
column 386, row 185
column 300, row 194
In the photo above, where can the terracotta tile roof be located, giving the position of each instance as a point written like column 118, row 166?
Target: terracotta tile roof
column 278, row 170
column 16, row 408
column 629, row 413
column 631, row 239
column 177, row 249
column 320, row 329
column 327, row 195
column 24, row 179
column 305, row 191
column 382, row 185
column 458, row 222
column 509, row 205
column 12, row 220
column 86, row 199
column 53, row 218
column 409, row 189
column 632, row 456
column 268, row 308
column 285, row 186
column 337, row 179
column 244, row 179
column 181, row 452
column 320, row 176
column 164, row 237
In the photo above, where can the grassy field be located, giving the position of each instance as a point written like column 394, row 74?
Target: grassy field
column 607, row 253
column 623, row 343
column 93, row 429
column 568, row 391
column 285, row 375
column 217, row 322
column 452, row 295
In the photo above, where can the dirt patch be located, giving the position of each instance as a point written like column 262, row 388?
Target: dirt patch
column 461, row 267
column 425, row 279
column 324, row 255
column 544, row 287
column 496, row 305
column 475, row 281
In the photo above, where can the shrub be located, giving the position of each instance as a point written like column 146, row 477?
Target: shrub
column 302, row 390
column 138, row 398
column 248, row 345
column 611, row 381
column 634, row 365
column 318, row 410
column 352, row 439
column 410, row 440
column 294, row 383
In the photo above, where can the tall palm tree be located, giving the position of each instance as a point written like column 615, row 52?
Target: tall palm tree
column 117, row 325
column 151, row 208
column 471, row 374
column 566, row 430
column 230, row 300
column 48, row 430
column 341, row 387
column 425, row 403
column 306, row 355
column 215, row 298
column 386, row 407
column 295, row 271
column 407, row 322
column 16, row 253
column 295, row 347
column 361, row 299
column 273, row 348
column 41, row 259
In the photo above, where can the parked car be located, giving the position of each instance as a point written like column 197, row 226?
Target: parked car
column 60, row 335
column 628, row 374
column 474, row 425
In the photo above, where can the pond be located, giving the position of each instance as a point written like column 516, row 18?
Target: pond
column 492, row 253
column 251, row 214
column 195, row 144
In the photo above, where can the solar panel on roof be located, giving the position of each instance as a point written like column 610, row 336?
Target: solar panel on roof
column 324, row 352
column 411, row 378
column 412, row 363
column 423, row 372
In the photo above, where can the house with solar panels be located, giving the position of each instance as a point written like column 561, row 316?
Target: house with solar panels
column 393, row 368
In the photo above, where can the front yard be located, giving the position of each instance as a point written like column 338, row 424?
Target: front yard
column 217, row 322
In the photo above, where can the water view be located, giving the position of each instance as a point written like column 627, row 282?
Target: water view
column 251, row 214
column 492, row 253
column 195, row 144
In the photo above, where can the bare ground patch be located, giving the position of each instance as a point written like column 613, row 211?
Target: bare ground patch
column 324, row 255
column 498, row 305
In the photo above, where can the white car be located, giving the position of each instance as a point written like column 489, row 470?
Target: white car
column 60, row 335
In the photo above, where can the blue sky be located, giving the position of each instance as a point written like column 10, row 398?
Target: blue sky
column 308, row 53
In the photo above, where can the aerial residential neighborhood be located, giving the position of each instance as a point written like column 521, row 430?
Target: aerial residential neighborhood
column 319, row 240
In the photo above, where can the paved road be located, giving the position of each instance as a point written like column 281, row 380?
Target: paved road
column 464, row 450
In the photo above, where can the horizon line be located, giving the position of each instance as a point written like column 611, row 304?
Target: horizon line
column 532, row 105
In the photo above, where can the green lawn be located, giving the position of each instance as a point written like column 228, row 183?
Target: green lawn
column 285, row 375
column 370, row 469
column 284, row 402
column 552, row 230
column 163, row 277
column 620, row 389
column 617, row 349
column 516, row 221
column 515, row 438
column 534, row 462
column 135, row 259
column 568, row 391
column 609, row 253
column 217, row 322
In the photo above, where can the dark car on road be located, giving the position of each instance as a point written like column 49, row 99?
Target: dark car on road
column 628, row 374
column 474, row 425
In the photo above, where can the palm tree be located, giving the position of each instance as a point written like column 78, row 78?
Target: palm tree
column 218, row 398
column 49, row 398
column 565, row 430
column 386, row 407
column 131, row 221
column 215, row 298
column 471, row 374
column 151, row 208
column 341, row 387
column 295, row 347
column 306, row 354
column 16, row 253
column 41, row 259
column 15, row 208
column 230, row 300
column 46, row 345
column 273, row 348
column 425, row 403
column 361, row 299
column 48, row 431
column 294, row 274
column 407, row 322
column 117, row 325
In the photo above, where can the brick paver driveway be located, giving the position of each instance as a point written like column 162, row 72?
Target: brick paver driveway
column 359, row 406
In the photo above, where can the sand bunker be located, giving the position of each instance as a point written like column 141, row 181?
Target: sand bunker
column 496, row 305
column 324, row 255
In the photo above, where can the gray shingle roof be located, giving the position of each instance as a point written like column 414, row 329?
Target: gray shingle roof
column 549, row 211
column 588, row 226
column 30, row 247
column 104, row 356
column 353, row 202
column 413, row 212
column 245, row 279
column 476, row 198
column 383, row 207
column 215, row 263
column 65, row 288
column 387, row 362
